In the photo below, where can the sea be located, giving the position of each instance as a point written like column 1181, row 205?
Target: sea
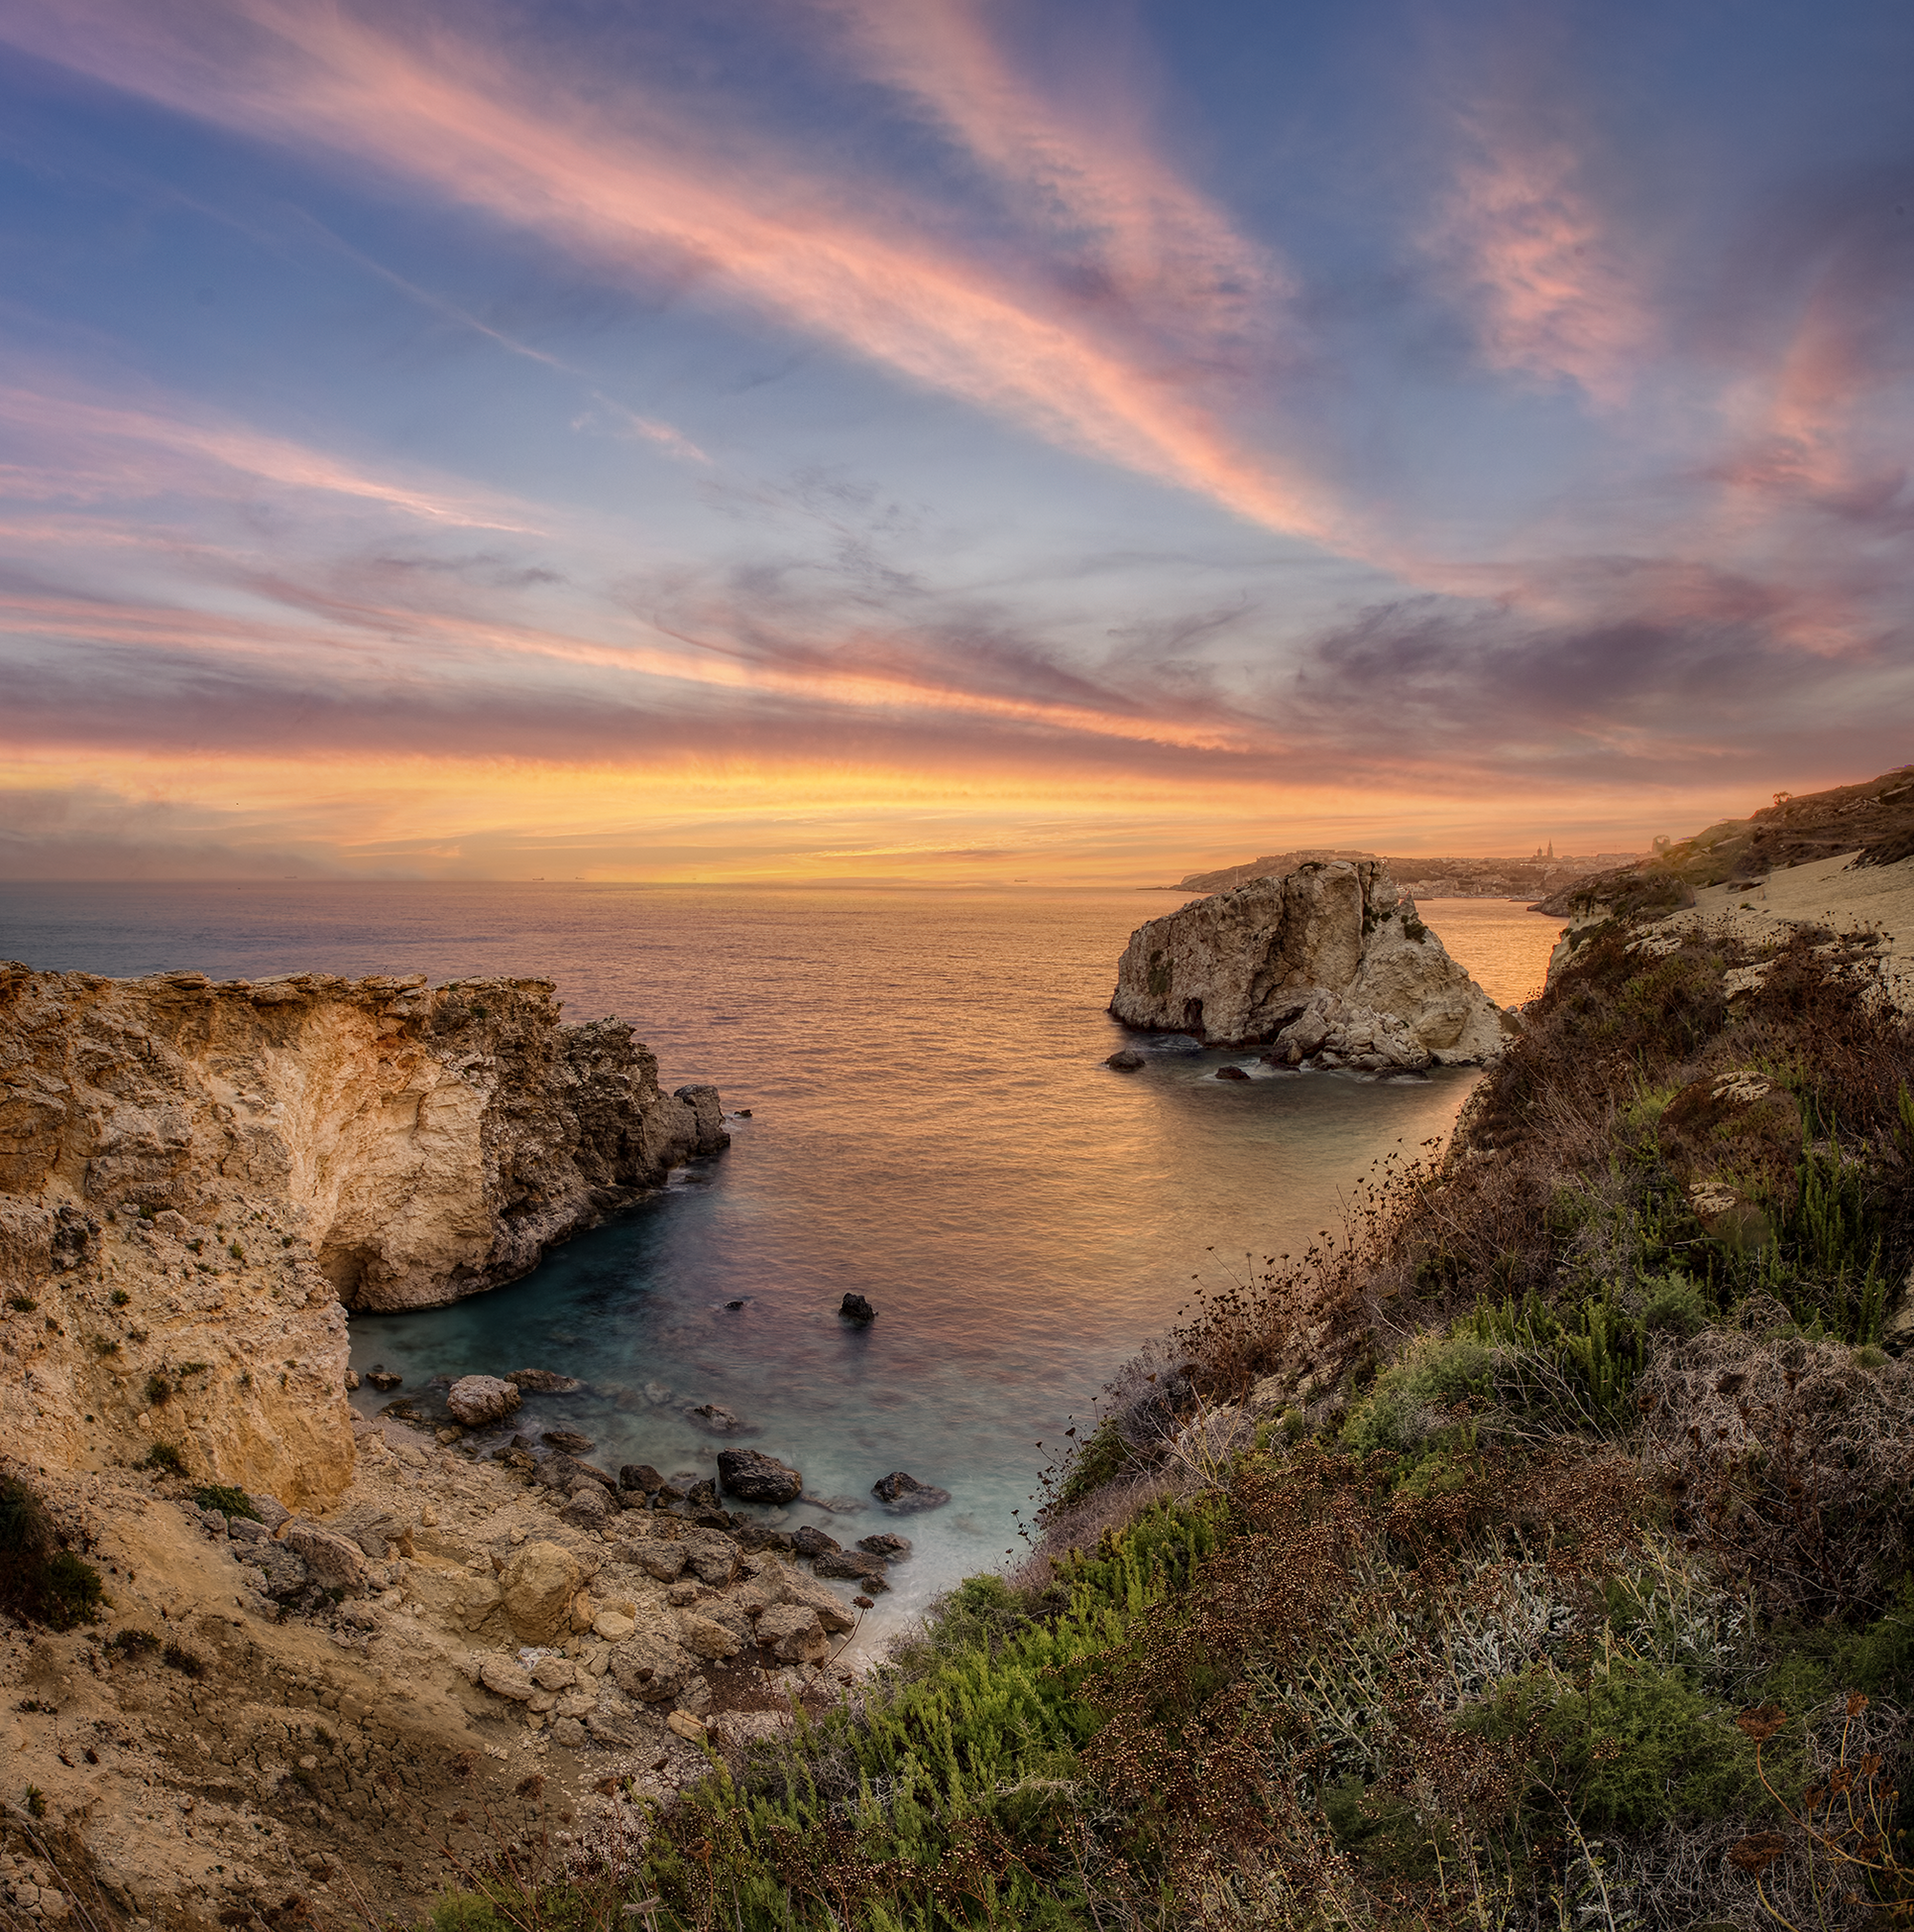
column 921, row 1114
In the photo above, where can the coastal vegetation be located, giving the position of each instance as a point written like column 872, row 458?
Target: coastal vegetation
column 1532, row 1553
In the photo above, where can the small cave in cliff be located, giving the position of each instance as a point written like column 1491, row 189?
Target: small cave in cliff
column 344, row 1267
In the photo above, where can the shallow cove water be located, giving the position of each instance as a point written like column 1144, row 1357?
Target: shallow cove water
column 932, row 1127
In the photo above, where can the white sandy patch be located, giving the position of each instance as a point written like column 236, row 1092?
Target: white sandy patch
column 1876, row 898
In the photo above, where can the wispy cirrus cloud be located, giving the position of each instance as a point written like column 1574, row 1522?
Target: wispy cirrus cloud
column 1138, row 240
column 97, row 448
column 1541, row 269
column 647, row 192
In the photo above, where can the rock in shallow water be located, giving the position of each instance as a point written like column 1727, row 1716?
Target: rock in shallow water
column 719, row 1420
column 756, row 1478
column 1125, row 1060
column 544, row 1381
column 855, row 1308
column 906, row 1495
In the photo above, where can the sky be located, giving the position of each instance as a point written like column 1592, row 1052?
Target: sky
column 940, row 440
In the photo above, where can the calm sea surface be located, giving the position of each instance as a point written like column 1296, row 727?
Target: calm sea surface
column 932, row 1127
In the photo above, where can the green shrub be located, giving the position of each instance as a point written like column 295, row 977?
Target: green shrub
column 40, row 1582
column 226, row 1499
column 1410, row 1401
column 1633, row 1745
column 159, row 1391
column 132, row 1643
column 1099, row 1459
column 1675, row 1304
column 188, row 1663
column 467, row 1912
column 22, row 1304
column 119, row 1298
column 1391, row 1837
column 162, row 1456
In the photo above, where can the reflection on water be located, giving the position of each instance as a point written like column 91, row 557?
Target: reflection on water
column 932, row 1128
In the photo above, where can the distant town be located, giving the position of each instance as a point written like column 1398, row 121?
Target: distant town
column 1536, row 876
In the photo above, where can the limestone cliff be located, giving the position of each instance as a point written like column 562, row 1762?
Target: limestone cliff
column 194, row 1178
column 1332, row 951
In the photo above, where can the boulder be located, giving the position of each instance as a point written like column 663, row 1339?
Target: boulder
column 590, row 1506
column 905, row 1494
column 503, row 1679
column 795, row 1589
column 612, row 1626
column 1125, row 1060
column 719, row 1420
column 651, row 1666
column 477, row 1400
column 793, row 1633
column 755, row 1477
column 571, row 1441
column 749, row 1535
column 891, row 1547
column 1231, row 1074
column 382, row 1382
column 539, row 1584
column 1262, row 963
column 704, row 1637
column 554, row 1674
column 683, row 1725
column 334, row 1561
column 853, row 1566
column 640, row 1477
column 855, row 1308
column 544, row 1381
column 664, row 1561
column 712, row 1557
column 810, row 1540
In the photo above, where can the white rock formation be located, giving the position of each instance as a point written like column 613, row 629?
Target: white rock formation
column 1328, row 960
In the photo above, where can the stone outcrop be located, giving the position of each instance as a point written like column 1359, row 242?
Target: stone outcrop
column 195, row 1177
column 1333, row 951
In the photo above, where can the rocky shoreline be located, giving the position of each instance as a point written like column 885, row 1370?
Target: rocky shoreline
column 337, row 1706
column 331, row 1650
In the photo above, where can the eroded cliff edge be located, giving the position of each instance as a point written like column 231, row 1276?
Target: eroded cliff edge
column 198, row 1180
column 1333, row 949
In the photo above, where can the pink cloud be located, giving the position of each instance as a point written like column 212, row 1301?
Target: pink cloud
column 643, row 191
column 98, row 448
column 1090, row 178
column 1547, row 277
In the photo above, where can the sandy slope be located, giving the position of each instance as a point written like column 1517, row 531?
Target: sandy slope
column 1828, row 891
column 1879, row 898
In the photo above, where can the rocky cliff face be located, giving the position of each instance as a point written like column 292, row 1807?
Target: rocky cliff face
column 1332, row 951
column 195, row 1178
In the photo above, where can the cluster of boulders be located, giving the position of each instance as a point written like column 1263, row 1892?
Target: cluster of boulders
column 602, row 1655
column 1329, row 1033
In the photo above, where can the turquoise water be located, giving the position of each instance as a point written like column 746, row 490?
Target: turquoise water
column 932, row 1127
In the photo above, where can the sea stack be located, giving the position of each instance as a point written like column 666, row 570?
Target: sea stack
column 1330, row 952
